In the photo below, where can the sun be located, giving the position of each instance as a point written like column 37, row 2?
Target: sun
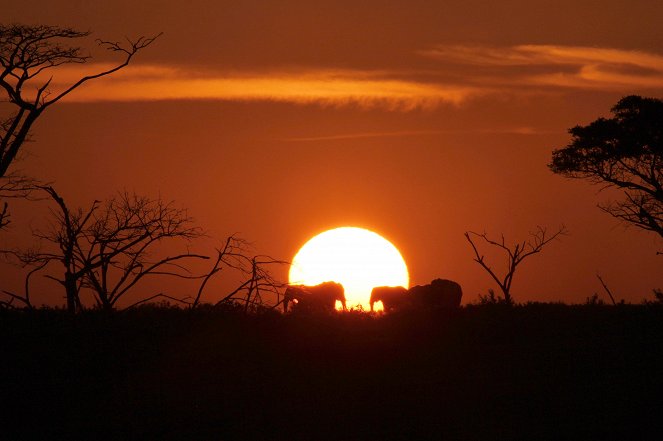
column 357, row 258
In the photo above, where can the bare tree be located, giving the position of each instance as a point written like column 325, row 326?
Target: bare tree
column 257, row 291
column 27, row 54
column 515, row 254
column 257, row 286
column 108, row 248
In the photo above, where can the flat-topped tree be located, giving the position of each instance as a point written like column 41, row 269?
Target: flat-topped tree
column 626, row 153
column 28, row 56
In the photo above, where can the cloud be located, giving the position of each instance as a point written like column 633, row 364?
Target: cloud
column 575, row 67
column 459, row 73
column 526, row 131
column 325, row 87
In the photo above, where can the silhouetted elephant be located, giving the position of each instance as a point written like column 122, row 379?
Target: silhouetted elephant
column 440, row 293
column 392, row 297
column 320, row 297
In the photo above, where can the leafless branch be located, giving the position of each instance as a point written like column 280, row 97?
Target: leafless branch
column 25, row 298
column 221, row 253
column 26, row 52
column 515, row 254
column 108, row 247
column 14, row 186
column 612, row 299
column 259, row 280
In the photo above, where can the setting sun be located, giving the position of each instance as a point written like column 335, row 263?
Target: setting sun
column 357, row 258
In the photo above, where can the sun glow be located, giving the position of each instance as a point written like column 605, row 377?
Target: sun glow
column 357, row 258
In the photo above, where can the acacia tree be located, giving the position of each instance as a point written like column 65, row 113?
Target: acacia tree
column 108, row 248
column 624, row 152
column 515, row 254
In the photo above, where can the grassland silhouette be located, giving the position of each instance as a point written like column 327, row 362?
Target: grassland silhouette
column 535, row 371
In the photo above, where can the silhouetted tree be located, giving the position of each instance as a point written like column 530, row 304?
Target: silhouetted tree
column 607, row 290
column 107, row 248
column 28, row 54
column 249, row 296
column 258, row 285
column 624, row 152
column 515, row 254
column 23, row 299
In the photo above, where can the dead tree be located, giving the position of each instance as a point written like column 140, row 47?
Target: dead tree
column 108, row 248
column 515, row 254
column 258, row 289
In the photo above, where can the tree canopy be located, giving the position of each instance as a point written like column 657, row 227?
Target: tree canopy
column 623, row 152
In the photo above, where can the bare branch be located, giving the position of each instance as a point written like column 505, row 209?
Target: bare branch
column 108, row 247
column 14, row 186
column 215, row 269
column 612, row 299
column 27, row 52
column 515, row 254
column 131, row 50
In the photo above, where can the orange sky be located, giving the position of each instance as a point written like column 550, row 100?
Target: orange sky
column 419, row 120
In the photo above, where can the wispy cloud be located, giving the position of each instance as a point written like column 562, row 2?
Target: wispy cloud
column 325, row 87
column 412, row 133
column 577, row 67
column 462, row 73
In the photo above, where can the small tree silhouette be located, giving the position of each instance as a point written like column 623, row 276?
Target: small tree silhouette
column 515, row 254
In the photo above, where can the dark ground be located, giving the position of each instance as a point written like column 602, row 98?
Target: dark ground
column 540, row 371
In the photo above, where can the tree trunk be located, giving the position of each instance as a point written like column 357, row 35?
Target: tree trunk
column 72, row 292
